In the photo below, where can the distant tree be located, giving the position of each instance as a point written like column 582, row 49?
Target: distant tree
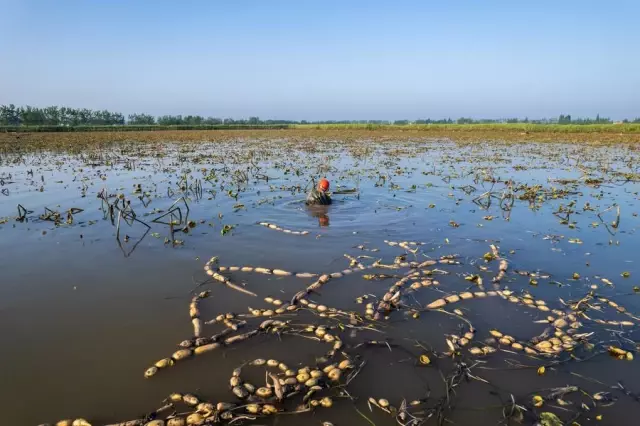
column 65, row 116
column 31, row 116
column 141, row 119
column 117, row 118
column 564, row 119
column 193, row 120
column 9, row 115
column 170, row 120
column 51, row 116
column 212, row 121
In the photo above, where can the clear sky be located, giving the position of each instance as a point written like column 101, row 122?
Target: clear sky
column 324, row 59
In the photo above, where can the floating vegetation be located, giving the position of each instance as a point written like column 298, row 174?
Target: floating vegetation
column 318, row 385
column 286, row 231
column 448, row 270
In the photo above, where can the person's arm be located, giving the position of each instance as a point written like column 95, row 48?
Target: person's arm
column 312, row 196
column 324, row 198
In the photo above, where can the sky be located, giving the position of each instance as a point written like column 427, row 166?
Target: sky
column 324, row 60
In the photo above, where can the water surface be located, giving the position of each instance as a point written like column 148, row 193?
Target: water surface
column 82, row 317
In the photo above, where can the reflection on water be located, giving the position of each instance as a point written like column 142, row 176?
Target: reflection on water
column 83, row 316
column 321, row 213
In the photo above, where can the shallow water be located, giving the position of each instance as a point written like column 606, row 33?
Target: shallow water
column 82, row 318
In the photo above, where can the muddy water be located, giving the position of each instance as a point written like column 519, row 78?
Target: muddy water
column 81, row 318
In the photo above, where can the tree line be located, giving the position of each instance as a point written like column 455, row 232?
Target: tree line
column 10, row 115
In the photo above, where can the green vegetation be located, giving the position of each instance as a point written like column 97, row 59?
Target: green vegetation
column 87, row 119
column 10, row 115
column 63, row 119
column 475, row 127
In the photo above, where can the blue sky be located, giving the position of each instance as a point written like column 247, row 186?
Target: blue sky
column 321, row 60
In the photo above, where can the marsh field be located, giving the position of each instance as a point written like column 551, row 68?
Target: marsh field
column 171, row 278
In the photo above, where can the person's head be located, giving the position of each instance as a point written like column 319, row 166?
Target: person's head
column 323, row 185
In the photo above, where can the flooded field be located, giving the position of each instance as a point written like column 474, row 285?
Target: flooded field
column 448, row 283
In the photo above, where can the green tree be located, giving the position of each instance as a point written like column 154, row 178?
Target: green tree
column 170, row 120
column 212, row 121
column 52, row 116
column 141, row 119
column 9, row 115
column 564, row 119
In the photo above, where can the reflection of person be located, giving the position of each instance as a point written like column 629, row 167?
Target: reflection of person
column 319, row 195
column 323, row 220
column 321, row 213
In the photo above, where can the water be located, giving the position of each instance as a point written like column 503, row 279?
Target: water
column 82, row 317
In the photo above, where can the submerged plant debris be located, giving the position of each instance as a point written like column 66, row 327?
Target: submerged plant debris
column 450, row 282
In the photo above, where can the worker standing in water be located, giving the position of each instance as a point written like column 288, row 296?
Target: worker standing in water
column 319, row 195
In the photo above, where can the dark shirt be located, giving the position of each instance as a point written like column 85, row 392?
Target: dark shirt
column 316, row 197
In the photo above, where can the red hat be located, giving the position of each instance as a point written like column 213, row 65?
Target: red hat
column 323, row 185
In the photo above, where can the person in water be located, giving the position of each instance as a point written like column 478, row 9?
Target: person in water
column 319, row 195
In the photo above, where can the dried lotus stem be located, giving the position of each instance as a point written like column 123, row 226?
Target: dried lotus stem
column 194, row 312
column 265, row 271
column 617, row 307
column 322, row 280
column 334, row 369
column 222, row 318
column 240, row 337
column 379, row 264
column 213, row 272
column 215, row 343
column 286, row 231
column 502, row 265
column 405, row 245
column 425, row 264
column 414, row 265
column 439, row 303
column 213, row 339
column 391, row 298
column 138, row 422
column 325, row 311
column 76, row 422
column 354, row 263
column 378, row 277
